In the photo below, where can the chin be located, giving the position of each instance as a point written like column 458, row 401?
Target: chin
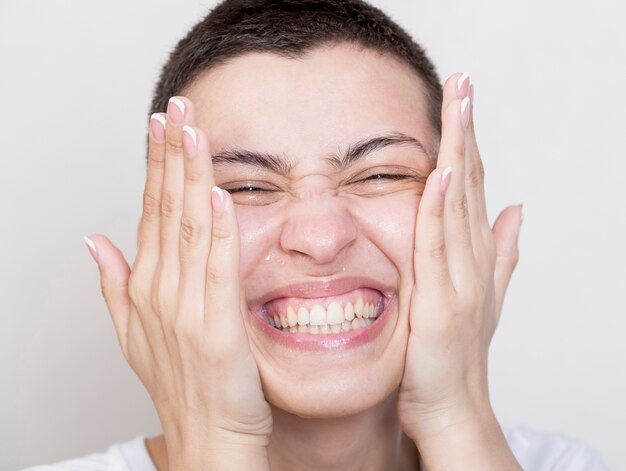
column 329, row 349
column 336, row 395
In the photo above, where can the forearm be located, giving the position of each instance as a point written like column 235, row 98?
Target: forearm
column 472, row 443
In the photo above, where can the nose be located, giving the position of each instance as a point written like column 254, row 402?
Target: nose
column 319, row 229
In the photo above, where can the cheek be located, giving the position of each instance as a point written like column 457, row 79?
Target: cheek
column 259, row 229
column 389, row 222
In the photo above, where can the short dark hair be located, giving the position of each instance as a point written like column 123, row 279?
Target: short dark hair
column 290, row 28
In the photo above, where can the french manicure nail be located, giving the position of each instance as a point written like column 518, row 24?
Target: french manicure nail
column 445, row 179
column 460, row 85
column 157, row 126
column 189, row 134
column 465, row 112
column 217, row 199
column 521, row 213
column 92, row 248
column 177, row 112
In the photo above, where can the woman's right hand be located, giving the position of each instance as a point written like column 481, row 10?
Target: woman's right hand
column 178, row 311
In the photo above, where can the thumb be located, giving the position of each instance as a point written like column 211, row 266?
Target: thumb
column 506, row 231
column 114, row 275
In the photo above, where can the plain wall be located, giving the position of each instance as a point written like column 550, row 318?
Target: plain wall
column 76, row 79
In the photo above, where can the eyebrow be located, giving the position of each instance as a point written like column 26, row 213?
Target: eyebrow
column 353, row 153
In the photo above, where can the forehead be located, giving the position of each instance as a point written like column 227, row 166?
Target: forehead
column 312, row 105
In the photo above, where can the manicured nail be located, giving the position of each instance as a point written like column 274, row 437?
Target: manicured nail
column 176, row 110
column 92, row 248
column 157, row 126
column 471, row 92
column 461, row 88
column 445, row 179
column 190, row 141
column 217, row 199
column 465, row 112
column 521, row 214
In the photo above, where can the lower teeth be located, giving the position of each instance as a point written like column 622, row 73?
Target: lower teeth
column 347, row 326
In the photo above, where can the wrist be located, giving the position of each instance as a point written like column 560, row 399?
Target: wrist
column 208, row 448
column 424, row 423
column 471, row 440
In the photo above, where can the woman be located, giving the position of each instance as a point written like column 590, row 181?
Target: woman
column 317, row 283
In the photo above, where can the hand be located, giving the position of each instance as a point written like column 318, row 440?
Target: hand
column 462, row 269
column 178, row 312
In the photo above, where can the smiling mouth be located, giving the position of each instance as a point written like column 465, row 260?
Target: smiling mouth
column 350, row 311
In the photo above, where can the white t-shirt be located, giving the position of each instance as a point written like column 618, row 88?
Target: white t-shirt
column 535, row 451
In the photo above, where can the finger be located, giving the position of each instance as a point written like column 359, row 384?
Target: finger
column 114, row 274
column 149, row 224
column 461, row 86
column 506, row 231
column 222, row 281
column 196, row 221
column 179, row 113
column 457, row 86
column 455, row 219
column 429, row 259
column 475, row 180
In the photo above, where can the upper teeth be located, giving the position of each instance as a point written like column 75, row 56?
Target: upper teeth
column 317, row 315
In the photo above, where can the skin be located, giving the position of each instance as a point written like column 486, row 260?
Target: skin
column 226, row 393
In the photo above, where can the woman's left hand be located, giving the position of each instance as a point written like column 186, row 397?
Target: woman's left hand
column 462, row 269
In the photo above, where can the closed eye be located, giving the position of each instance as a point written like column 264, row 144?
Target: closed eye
column 388, row 176
column 248, row 188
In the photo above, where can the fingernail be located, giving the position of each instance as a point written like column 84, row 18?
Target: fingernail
column 471, row 91
column 461, row 88
column 521, row 214
column 189, row 141
column 465, row 112
column 445, row 179
column 176, row 110
column 92, row 248
column 217, row 199
column 157, row 127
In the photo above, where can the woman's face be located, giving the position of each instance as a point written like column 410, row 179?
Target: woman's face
column 326, row 157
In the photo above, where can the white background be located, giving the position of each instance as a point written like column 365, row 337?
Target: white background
column 76, row 79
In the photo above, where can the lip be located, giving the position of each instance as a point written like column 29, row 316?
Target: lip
column 318, row 289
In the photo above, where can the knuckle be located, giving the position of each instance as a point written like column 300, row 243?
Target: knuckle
column 191, row 230
column 170, row 205
column 459, row 149
column 194, row 174
column 437, row 211
column 222, row 233
column 156, row 159
column 136, row 291
column 460, row 207
column 215, row 276
column 151, row 205
column 164, row 294
column 514, row 257
column 155, row 303
column 509, row 259
column 159, row 301
column 183, row 330
column 111, row 284
column 174, row 146
column 476, row 175
column 438, row 250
